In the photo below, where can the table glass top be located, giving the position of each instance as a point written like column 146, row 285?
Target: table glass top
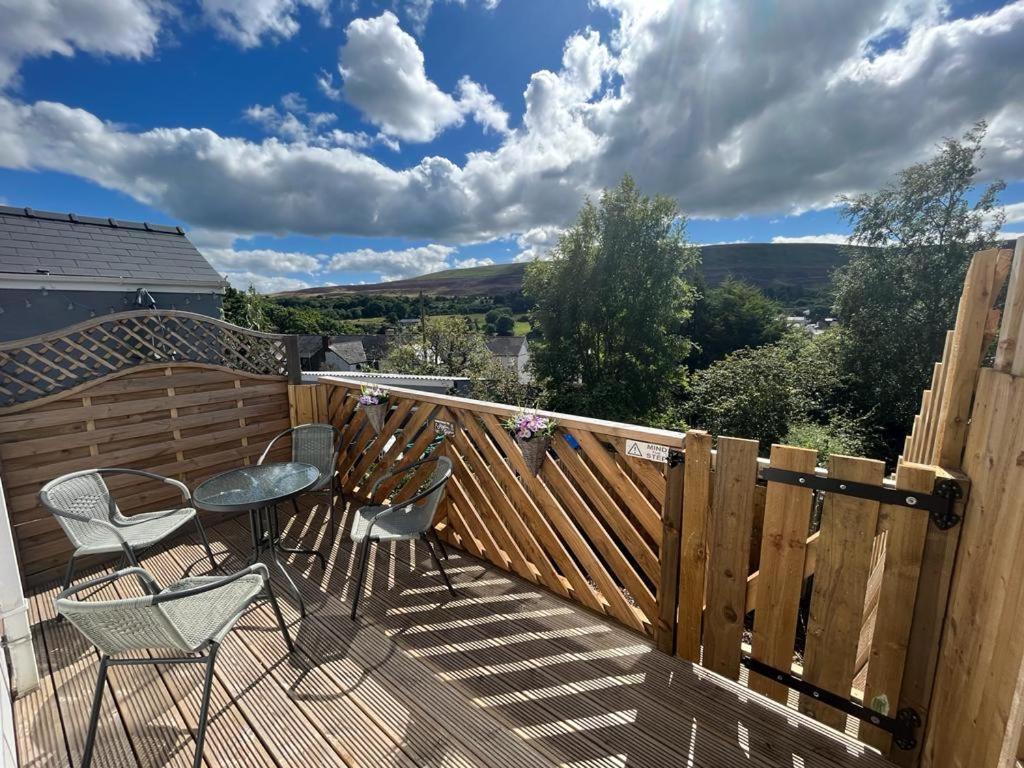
column 255, row 486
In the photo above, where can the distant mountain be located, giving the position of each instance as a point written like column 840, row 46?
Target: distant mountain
column 806, row 265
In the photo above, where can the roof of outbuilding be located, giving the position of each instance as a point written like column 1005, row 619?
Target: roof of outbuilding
column 67, row 245
column 505, row 346
column 351, row 352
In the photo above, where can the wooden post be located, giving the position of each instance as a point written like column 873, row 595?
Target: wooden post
column 291, row 344
column 977, row 707
column 694, row 544
column 671, row 532
column 979, row 293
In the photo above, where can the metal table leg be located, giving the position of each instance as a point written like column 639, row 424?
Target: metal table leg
column 276, row 536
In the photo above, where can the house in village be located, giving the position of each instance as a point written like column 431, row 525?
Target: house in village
column 58, row 269
column 514, row 353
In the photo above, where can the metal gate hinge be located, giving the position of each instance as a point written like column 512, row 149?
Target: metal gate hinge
column 675, row 457
column 940, row 503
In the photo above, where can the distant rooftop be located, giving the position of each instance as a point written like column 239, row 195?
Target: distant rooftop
column 505, row 346
column 66, row 245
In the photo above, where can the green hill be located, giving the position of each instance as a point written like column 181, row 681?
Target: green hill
column 769, row 265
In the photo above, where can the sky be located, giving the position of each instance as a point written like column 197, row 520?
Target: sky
column 317, row 142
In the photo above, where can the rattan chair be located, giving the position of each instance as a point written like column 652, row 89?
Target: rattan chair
column 410, row 519
column 89, row 515
column 319, row 445
column 191, row 616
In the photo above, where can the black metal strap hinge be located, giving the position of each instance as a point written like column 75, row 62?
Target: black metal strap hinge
column 903, row 727
column 675, row 457
column 940, row 503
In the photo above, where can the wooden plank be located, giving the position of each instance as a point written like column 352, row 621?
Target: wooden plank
column 780, row 581
column 668, row 553
column 976, row 711
column 848, row 528
column 731, row 513
column 613, row 477
column 933, row 592
column 904, row 531
column 978, row 295
column 1010, row 348
column 610, row 512
column 693, row 555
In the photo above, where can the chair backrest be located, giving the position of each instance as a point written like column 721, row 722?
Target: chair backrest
column 115, row 626
column 317, row 444
column 422, row 505
column 79, row 494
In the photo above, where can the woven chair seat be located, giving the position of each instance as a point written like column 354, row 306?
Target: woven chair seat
column 210, row 615
column 405, row 523
column 140, row 531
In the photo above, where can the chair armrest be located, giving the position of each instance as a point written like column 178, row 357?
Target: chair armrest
column 144, row 577
column 106, row 524
column 167, row 596
column 186, row 494
column 270, row 445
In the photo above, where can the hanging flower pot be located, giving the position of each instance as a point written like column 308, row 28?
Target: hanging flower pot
column 374, row 403
column 533, row 435
column 534, row 450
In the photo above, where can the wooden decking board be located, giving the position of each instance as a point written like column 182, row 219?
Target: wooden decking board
column 397, row 679
column 507, row 654
column 600, row 697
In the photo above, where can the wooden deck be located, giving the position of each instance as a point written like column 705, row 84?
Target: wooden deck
column 505, row 674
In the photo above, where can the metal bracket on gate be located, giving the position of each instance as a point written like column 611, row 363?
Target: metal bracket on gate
column 675, row 457
column 903, row 727
column 940, row 503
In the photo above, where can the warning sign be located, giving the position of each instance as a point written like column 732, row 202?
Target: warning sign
column 649, row 451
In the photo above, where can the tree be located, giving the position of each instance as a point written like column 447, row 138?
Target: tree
column 610, row 305
column 505, row 325
column 452, row 347
column 732, row 316
column 763, row 393
column 246, row 309
column 897, row 298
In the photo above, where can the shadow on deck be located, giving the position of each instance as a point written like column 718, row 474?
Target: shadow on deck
column 504, row 674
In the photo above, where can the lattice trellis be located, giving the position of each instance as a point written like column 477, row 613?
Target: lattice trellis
column 38, row 367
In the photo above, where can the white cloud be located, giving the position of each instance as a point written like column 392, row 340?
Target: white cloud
column 537, row 243
column 383, row 74
column 263, row 283
column 471, row 261
column 261, row 260
column 127, row 28
column 710, row 103
column 418, row 11
column 834, row 238
column 394, row 264
column 1014, row 213
column 248, row 22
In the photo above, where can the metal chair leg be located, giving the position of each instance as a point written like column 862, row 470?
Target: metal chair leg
column 330, row 509
column 440, row 544
column 204, row 709
column 206, row 542
column 364, row 557
column 94, row 716
column 69, row 574
column 437, row 562
column 280, row 617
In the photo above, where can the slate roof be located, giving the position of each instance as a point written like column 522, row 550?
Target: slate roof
column 310, row 344
column 505, row 346
column 65, row 244
column 374, row 344
column 351, row 352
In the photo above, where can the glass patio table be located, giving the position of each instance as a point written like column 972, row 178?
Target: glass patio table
column 258, row 490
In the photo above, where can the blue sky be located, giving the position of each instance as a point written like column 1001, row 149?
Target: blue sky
column 307, row 142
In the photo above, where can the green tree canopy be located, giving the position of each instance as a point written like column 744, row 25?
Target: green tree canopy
column 897, row 299
column 610, row 305
column 452, row 347
column 505, row 325
column 732, row 316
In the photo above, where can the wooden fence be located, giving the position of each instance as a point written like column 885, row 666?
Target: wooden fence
column 179, row 394
column 698, row 552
